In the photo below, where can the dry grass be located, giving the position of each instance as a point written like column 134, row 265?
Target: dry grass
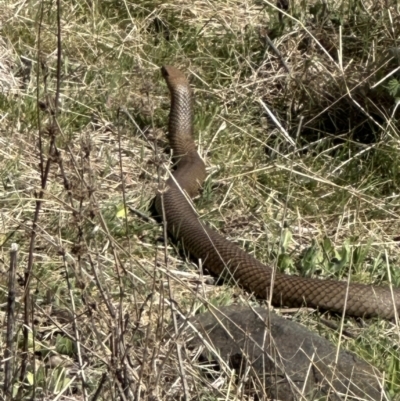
column 102, row 285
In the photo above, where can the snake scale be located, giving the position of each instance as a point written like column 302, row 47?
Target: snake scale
column 218, row 254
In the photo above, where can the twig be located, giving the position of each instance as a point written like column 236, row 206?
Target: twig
column 173, row 311
column 28, row 312
column 9, row 351
column 100, row 386
column 277, row 52
column 142, row 215
column 119, row 326
column 76, row 332
column 104, row 294
column 277, row 123
column 43, row 174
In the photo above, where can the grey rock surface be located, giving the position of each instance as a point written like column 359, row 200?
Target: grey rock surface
column 286, row 361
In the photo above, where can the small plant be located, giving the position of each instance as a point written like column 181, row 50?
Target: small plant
column 393, row 87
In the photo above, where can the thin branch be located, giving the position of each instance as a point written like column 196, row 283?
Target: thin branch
column 9, row 351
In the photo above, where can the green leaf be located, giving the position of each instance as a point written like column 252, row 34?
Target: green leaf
column 312, row 258
column 121, row 211
column 286, row 239
column 285, row 262
column 393, row 87
column 30, row 378
column 344, row 253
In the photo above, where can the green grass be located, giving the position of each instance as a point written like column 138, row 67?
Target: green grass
column 327, row 207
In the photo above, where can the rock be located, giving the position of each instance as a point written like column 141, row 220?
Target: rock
column 288, row 362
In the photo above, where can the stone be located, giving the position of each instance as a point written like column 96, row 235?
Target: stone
column 287, row 361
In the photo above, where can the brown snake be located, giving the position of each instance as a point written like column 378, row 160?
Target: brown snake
column 218, row 254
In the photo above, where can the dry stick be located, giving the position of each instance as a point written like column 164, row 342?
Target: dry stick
column 148, row 330
column 334, row 367
column 70, row 336
column 173, row 310
column 92, row 198
column 119, row 333
column 269, row 42
column 143, row 216
column 111, row 310
column 58, row 90
column 40, row 142
column 144, row 355
column 182, row 327
column 123, row 110
column 116, row 334
column 99, row 387
column 172, row 302
column 277, row 123
column 335, row 364
column 44, row 177
column 104, row 294
column 76, row 331
column 120, row 326
column 9, row 351
column 59, row 54
column 271, row 289
column 88, row 186
column 123, row 191
column 155, row 356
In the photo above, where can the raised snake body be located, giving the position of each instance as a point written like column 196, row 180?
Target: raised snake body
column 218, row 254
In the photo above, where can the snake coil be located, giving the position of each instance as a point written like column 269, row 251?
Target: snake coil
column 218, row 254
